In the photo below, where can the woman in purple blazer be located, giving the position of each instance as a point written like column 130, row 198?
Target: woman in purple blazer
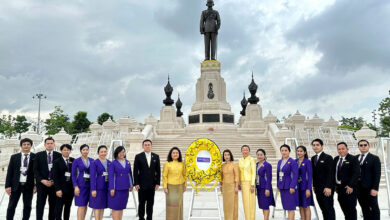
column 81, row 181
column 99, row 183
column 287, row 178
column 120, row 182
column 304, row 183
column 265, row 196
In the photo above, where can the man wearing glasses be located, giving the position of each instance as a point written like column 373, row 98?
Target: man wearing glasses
column 370, row 168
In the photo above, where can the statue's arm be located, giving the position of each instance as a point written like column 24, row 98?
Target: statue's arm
column 202, row 23
column 218, row 21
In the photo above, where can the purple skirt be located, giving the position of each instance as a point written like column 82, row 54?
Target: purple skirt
column 119, row 200
column 264, row 201
column 100, row 201
column 303, row 201
column 83, row 198
column 289, row 201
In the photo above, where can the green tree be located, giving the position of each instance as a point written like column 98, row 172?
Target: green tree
column 104, row 117
column 56, row 121
column 80, row 123
column 6, row 126
column 21, row 125
column 352, row 123
column 384, row 113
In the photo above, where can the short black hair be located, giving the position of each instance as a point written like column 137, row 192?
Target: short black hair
column 231, row 155
column 49, row 139
column 26, row 140
column 342, row 142
column 363, row 140
column 304, row 150
column 83, row 146
column 146, row 140
column 317, row 140
column 263, row 151
column 66, row 146
column 169, row 159
column 245, row 146
column 286, row 146
column 118, row 150
column 100, row 147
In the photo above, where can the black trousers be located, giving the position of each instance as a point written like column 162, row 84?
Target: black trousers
column 14, row 199
column 42, row 193
column 326, row 204
column 210, row 42
column 145, row 196
column 369, row 204
column 348, row 202
column 64, row 203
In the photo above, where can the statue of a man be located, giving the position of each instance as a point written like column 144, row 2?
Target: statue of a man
column 210, row 23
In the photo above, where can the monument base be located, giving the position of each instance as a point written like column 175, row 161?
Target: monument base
column 169, row 123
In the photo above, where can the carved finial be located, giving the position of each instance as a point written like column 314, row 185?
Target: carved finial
column 253, row 89
column 168, row 92
column 244, row 103
column 178, row 106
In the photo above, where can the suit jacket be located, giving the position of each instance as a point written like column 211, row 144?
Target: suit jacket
column 78, row 170
column 350, row 171
column 323, row 172
column 13, row 172
column 144, row 176
column 41, row 169
column 290, row 177
column 264, row 173
column 305, row 174
column 119, row 178
column 98, row 181
column 59, row 169
column 370, row 172
column 210, row 21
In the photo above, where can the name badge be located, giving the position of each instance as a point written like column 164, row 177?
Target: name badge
column 281, row 175
column 50, row 165
column 86, row 175
column 67, row 174
column 23, row 179
column 257, row 180
column 23, row 169
column 105, row 174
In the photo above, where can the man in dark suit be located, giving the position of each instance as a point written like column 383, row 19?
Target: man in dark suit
column 20, row 180
column 43, row 165
column 62, row 169
column 347, row 171
column 370, row 168
column 323, row 179
column 147, row 173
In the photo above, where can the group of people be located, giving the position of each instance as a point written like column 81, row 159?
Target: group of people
column 353, row 178
column 102, row 183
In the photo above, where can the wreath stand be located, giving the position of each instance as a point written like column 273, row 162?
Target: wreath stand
column 218, row 208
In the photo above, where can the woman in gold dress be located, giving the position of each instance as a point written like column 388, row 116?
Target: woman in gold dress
column 247, row 165
column 175, row 183
column 229, row 186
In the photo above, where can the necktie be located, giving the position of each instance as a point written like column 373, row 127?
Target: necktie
column 25, row 164
column 49, row 162
column 316, row 159
column 361, row 158
column 339, row 168
column 67, row 164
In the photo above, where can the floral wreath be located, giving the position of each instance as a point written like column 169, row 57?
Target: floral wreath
column 199, row 178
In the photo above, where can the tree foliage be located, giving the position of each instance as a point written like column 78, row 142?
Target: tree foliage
column 104, row 117
column 21, row 125
column 80, row 123
column 384, row 113
column 56, row 121
column 352, row 123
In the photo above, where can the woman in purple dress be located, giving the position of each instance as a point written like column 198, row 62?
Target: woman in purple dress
column 304, row 183
column 265, row 196
column 99, row 183
column 81, row 181
column 120, row 182
column 287, row 178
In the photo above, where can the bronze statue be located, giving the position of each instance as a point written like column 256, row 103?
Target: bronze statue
column 210, row 23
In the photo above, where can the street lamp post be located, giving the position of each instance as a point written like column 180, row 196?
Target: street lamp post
column 39, row 96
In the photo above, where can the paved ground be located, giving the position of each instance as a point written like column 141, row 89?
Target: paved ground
column 204, row 199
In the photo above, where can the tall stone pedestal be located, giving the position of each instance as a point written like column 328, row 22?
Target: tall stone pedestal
column 210, row 111
column 253, row 121
column 169, row 123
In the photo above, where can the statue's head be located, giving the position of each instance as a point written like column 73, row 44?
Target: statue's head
column 210, row 3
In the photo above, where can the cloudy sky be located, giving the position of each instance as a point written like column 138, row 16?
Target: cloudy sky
column 317, row 56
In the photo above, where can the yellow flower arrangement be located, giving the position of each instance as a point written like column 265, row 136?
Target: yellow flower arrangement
column 200, row 178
